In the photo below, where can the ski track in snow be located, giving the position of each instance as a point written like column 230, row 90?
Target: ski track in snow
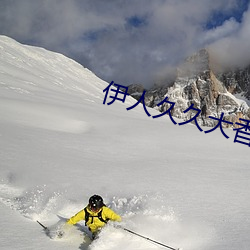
column 43, row 117
column 145, row 214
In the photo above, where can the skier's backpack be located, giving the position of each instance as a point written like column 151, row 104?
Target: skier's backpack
column 88, row 216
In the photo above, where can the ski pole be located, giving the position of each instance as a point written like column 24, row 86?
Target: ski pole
column 45, row 228
column 146, row 238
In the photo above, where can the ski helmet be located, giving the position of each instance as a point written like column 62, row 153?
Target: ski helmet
column 95, row 202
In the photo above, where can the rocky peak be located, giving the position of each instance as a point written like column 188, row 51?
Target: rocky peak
column 197, row 64
column 196, row 83
column 237, row 81
column 136, row 90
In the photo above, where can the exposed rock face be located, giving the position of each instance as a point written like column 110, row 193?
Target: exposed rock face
column 197, row 84
column 135, row 90
column 237, row 81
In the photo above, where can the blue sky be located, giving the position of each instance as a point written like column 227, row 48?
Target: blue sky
column 218, row 17
column 131, row 41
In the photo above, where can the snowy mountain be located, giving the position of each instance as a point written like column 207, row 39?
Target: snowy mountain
column 60, row 144
column 237, row 81
column 198, row 83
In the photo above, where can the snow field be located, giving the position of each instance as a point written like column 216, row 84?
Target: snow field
column 59, row 145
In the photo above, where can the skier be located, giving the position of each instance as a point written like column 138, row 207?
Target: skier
column 95, row 214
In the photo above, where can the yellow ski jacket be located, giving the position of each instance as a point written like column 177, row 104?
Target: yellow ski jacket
column 94, row 223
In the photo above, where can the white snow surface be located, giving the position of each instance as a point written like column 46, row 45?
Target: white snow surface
column 60, row 145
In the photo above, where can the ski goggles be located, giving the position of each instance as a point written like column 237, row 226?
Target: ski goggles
column 94, row 208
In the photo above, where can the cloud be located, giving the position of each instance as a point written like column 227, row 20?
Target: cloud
column 125, row 41
column 232, row 50
column 228, row 28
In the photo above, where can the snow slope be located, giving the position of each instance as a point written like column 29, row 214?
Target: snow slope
column 60, row 144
